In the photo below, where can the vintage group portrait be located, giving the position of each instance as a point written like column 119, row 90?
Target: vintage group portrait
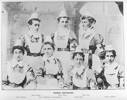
column 62, row 45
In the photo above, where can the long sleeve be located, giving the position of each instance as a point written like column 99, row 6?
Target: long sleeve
column 97, row 39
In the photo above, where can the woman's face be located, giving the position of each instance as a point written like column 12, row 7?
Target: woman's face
column 18, row 55
column 99, row 48
column 109, row 57
column 63, row 22
column 35, row 26
column 85, row 23
column 78, row 59
column 48, row 50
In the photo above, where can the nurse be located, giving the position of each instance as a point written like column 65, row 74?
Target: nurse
column 113, row 72
column 19, row 74
column 61, row 38
column 52, row 75
column 98, row 61
column 63, row 33
column 33, row 40
column 88, row 38
column 81, row 76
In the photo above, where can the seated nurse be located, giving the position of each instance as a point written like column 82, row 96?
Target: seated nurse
column 19, row 74
column 81, row 76
column 52, row 69
column 113, row 72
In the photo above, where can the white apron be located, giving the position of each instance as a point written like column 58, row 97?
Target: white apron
column 34, row 42
column 51, row 67
column 65, row 58
column 61, row 38
column 61, row 41
column 79, row 82
column 111, row 72
column 85, row 38
column 17, row 72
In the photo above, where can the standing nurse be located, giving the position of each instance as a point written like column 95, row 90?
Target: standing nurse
column 33, row 41
column 88, row 38
column 61, row 38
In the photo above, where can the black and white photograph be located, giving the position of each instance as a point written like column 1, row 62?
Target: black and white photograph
column 62, row 45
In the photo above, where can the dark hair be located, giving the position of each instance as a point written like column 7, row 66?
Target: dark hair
column 30, row 21
column 113, row 52
column 94, row 47
column 70, row 41
column 102, row 55
column 78, row 53
column 90, row 19
column 58, row 19
column 18, row 47
column 51, row 44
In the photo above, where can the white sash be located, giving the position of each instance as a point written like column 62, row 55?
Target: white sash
column 16, row 75
column 77, row 81
column 111, row 72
